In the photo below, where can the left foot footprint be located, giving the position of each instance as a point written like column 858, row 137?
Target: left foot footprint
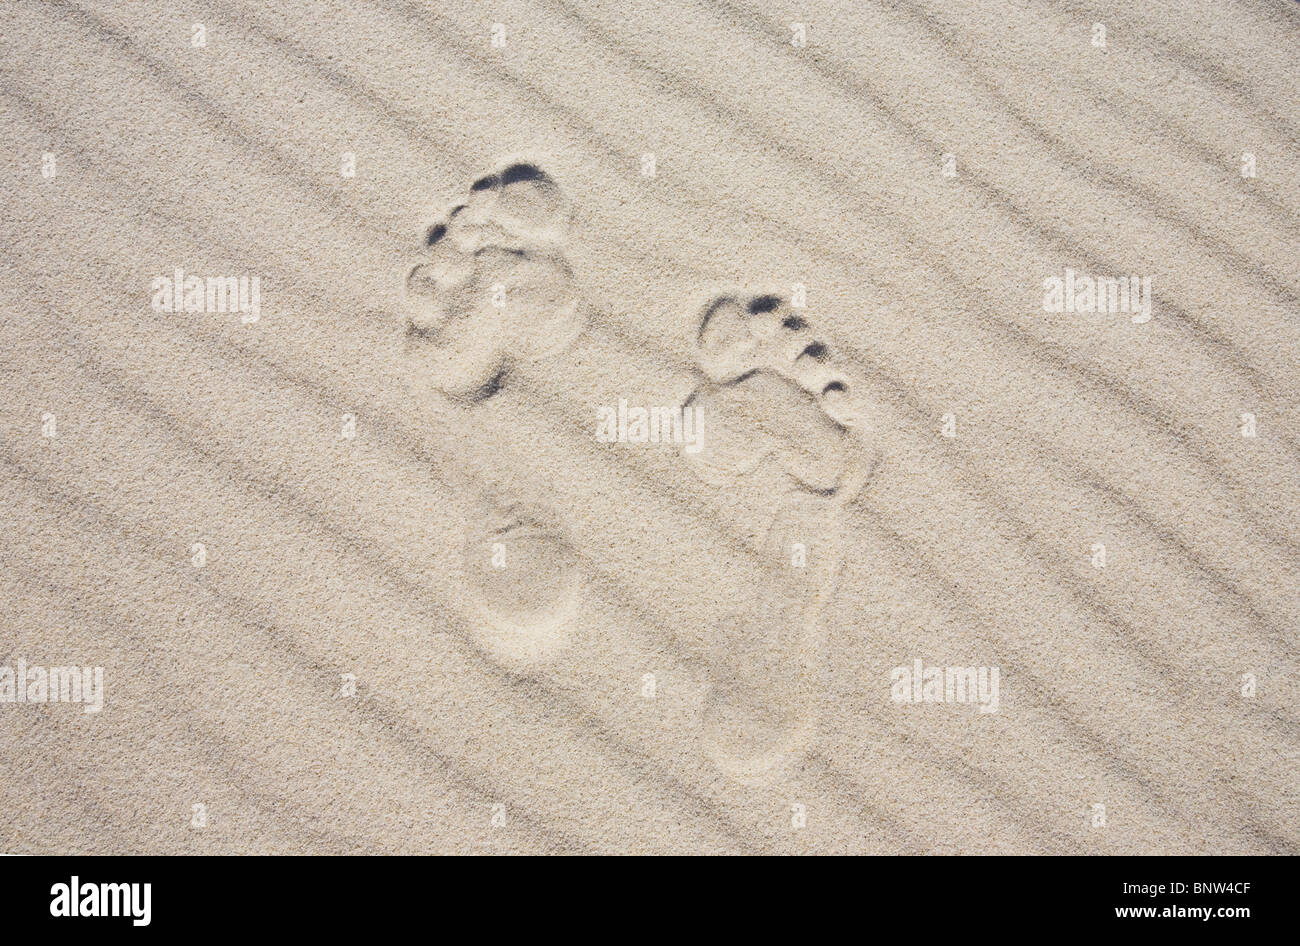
column 494, row 287
column 525, row 583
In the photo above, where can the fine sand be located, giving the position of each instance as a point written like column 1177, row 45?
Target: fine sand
column 377, row 563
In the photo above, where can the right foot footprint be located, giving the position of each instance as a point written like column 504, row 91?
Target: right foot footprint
column 494, row 287
column 780, row 425
column 775, row 393
column 740, row 335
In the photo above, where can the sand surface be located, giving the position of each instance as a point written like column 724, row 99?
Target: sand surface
column 365, row 573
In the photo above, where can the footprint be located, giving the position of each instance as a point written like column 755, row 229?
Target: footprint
column 742, row 335
column 784, row 429
column 760, row 714
column 524, row 583
column 493, row 286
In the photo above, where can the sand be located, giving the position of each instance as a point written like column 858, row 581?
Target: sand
column 390, row 559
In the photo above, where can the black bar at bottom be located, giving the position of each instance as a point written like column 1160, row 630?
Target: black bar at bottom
column 339, row 896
